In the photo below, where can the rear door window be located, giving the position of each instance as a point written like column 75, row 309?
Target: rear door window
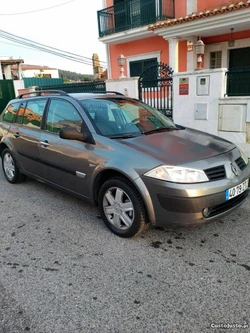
column 10, row 112
column 34, row 112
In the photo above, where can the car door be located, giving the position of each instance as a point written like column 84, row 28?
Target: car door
column 25, row 135
column 65, row 162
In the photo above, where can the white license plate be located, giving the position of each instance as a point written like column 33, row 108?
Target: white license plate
column 236, row 190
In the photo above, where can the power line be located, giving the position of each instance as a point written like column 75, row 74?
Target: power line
column 7, row 35
column 30, row 48
column 53, row 52
column 23, row 47
column 38, row 10
column 48, row 49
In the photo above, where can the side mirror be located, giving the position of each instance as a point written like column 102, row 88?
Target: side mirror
column 70, row 133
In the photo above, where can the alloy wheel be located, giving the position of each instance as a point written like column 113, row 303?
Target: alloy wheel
column 118, row 208
column 9, row 166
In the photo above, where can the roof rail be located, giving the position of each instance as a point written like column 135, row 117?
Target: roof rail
column 103, row 92
column 44, row 92
column 114, row 92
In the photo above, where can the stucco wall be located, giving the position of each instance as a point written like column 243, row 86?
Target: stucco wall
column 1, row 74
column 207, row 4
column 127, row 86
column 205, row 107
column 18, row 85
column 139, row 47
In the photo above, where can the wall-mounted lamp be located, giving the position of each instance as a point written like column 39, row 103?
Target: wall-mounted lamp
column 121, row 62
column 231, row 40
column 199, row 51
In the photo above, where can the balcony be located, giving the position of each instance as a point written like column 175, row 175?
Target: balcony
column 132, row 14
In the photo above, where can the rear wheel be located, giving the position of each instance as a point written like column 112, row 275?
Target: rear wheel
column 10, row 169
column 121, row 207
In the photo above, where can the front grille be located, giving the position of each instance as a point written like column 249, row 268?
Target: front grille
column 216, row 173
column 218, row 209
column 241, row 163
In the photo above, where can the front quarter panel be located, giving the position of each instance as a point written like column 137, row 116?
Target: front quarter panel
column 112, row 155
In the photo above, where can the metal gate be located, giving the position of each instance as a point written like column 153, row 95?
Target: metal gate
column 7, row 92
column 156, row 88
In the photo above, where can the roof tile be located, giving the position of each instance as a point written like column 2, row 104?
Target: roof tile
column 202, row 14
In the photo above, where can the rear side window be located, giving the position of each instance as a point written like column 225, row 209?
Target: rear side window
column 10, row 112
column 33, row 113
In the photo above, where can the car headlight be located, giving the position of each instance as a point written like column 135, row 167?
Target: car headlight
column 244, row 156
column 177, row 174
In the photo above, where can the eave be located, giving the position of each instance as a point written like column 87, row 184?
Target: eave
column 207, row 26
column 11, row 61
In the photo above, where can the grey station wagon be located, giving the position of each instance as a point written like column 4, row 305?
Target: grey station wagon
column 127, row 158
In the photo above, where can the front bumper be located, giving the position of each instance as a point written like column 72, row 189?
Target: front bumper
column 194, row 208
column 184, row 204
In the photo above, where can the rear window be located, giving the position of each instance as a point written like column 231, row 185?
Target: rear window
column 10, row 112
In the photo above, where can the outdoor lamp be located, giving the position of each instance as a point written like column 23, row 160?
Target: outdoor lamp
column 199, row 51
column 121, row 62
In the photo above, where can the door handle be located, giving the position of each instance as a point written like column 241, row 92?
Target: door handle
column 45, row 143
column 16, row 134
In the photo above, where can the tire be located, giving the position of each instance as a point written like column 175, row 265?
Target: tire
column 10, row 169
column 121, row 208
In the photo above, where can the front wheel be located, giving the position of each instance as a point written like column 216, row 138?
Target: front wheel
column 121, row 207
column 10, row 169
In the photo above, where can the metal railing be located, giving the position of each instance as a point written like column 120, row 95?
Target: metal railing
column 238, row 81
column 133, row 13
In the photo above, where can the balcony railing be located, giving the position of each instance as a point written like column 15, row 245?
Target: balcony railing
column 133, row 13
column 238, row 81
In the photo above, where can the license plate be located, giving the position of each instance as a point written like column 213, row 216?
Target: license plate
column 236, row 190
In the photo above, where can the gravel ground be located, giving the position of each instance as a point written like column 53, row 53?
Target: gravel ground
column 63, row 271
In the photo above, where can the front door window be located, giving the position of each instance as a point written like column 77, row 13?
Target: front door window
column 62, row 114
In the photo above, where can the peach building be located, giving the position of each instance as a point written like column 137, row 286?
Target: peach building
column 146, row 31
column 205, row 44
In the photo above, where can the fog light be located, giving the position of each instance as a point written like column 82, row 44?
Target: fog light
column 205, row 212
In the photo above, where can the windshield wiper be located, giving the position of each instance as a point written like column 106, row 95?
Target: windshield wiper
column 161, row 129
column 122, row 136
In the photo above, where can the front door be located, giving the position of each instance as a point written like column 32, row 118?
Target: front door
column 65, row 162
column 238, row 82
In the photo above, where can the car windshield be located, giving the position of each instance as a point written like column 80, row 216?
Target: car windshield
column 125, row 118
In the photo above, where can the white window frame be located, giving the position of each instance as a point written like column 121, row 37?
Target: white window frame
column 216, row 59
column 143, row 56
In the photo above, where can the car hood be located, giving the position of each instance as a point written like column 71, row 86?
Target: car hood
column 179, row 146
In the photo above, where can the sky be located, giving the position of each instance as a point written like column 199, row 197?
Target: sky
column 70, row 26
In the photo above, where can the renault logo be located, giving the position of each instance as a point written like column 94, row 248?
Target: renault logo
column 234, row 169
